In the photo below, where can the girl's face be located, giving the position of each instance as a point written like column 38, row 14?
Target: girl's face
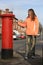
column 30, row 14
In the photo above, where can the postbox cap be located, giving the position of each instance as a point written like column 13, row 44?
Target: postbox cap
column 7, row 15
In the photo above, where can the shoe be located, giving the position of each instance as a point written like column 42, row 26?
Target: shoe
column 33, row 57
column 26, row 58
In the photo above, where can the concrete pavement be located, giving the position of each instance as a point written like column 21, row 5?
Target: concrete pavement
column 18, row 54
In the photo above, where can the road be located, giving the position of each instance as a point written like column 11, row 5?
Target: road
column 18, row 52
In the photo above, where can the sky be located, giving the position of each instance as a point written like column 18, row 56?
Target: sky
column 20, row 7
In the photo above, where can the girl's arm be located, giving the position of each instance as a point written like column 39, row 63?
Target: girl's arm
column 37, row 26
column 23, row 24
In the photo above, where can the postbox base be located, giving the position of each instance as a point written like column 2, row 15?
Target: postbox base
column 7, row 53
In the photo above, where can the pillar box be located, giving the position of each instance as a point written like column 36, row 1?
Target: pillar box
column 7, row 37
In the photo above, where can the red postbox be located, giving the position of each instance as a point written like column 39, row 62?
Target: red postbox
column 7, row 38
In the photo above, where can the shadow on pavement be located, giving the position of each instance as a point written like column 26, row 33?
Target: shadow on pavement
column 21, row 60
column 33, row 61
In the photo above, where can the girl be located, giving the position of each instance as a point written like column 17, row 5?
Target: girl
column 32, row 27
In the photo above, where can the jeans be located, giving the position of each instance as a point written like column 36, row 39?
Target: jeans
column 30, row 45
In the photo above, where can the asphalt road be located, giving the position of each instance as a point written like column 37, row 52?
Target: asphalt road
column 19, row 51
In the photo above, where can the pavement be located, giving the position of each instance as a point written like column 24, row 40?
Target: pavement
column 18, row 59
column 18, row 55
